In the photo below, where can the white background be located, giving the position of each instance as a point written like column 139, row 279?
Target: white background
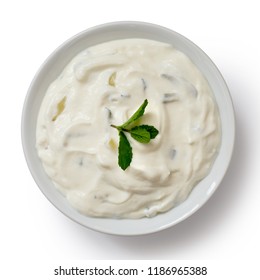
column 227, row 227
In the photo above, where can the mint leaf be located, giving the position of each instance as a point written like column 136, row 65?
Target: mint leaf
column 140, row 134
column 136, row 115
column 124, row 151
column 151, row 129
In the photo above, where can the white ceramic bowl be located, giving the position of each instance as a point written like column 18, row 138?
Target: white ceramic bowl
column 50, row 70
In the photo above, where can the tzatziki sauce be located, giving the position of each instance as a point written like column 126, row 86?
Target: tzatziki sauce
column 104, row 85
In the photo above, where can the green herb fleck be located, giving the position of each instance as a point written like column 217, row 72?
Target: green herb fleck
column 141, row 133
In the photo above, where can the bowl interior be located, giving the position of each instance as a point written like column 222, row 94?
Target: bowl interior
column 53, row 66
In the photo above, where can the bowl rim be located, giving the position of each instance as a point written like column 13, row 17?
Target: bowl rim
column 26, row 109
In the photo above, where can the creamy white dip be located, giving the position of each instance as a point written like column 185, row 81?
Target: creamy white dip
column 104, row 85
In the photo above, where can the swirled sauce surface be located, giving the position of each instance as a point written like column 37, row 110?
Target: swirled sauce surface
column 105, row 84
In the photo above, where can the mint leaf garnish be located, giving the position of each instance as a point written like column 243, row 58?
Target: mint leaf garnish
column 136, row 115
column 124, row 151
column 149, row 128
column 141, row 133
